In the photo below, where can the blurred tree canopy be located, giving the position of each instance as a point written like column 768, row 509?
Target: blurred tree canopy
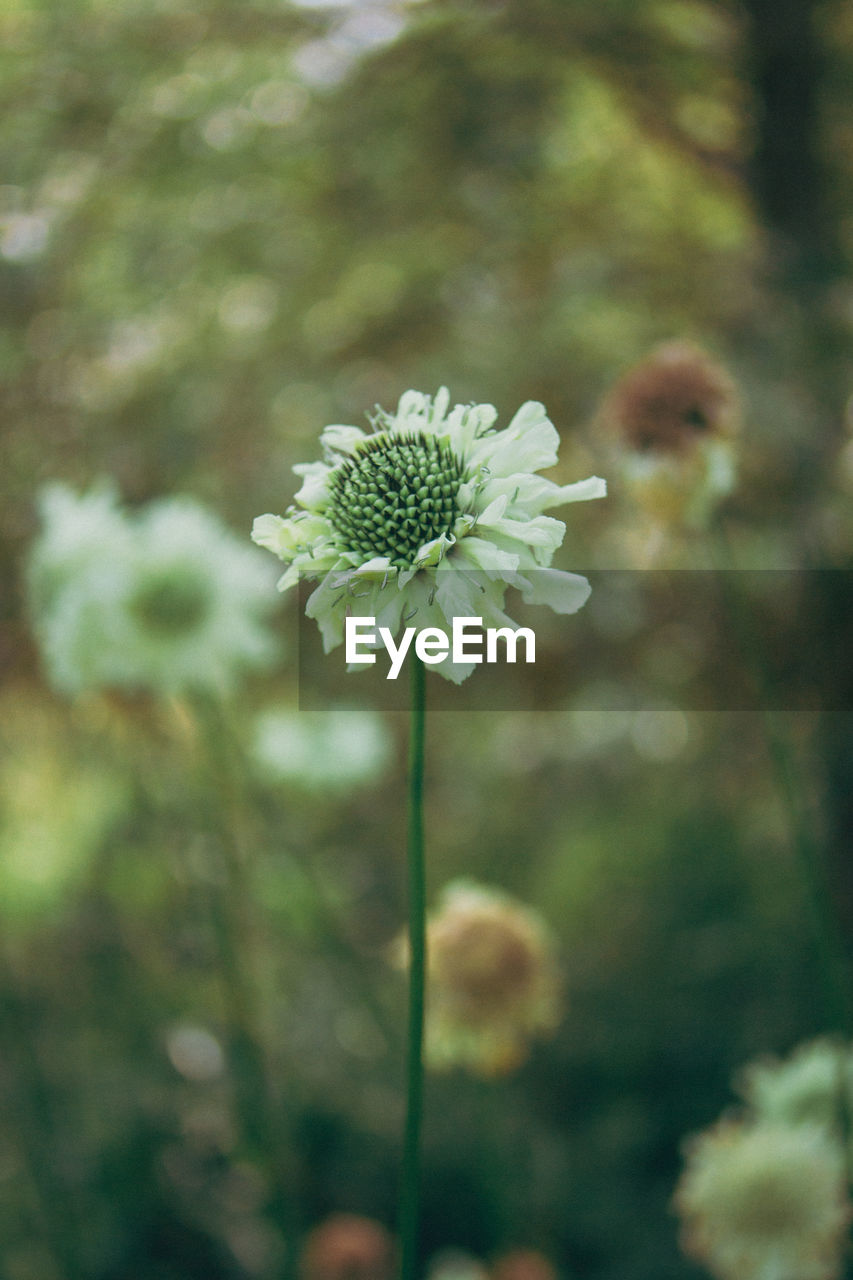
column 224, row 225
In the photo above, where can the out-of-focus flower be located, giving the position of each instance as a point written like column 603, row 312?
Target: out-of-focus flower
column 672, row 421
column 456, row 1264
column 322, row 750
column 78, row 534
column 765, row 1202
column 165, row 599
column 492, row 981
column 812, row 1085
column 430, row 517
column 347, row 1247
column 523, row 1264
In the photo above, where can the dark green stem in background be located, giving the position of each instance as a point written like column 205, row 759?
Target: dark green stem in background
column 827, row 932
column 826, row 928
column 410, row 1188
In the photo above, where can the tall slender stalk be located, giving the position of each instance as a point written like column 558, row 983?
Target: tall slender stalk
column 410, row 1188
column 828, row 938
column 827, row 933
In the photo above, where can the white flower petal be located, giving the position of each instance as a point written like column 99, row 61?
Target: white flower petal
column 485, row 555
column 378, row 566
column 432, row 553
column 341, row 439
column 439, row 405
column 273, row 532
column 323, row 605
column 467, row 424
column 529, row 443
column 454, row 671
column 494, row 511
column 543, row 532
column 457, row 594
column 562, row 592
column 314, row 494
column 533, row 494
column 580, row 491
column 414, row 404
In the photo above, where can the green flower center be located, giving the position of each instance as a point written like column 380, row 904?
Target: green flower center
column 171, row 603
column 395, row 494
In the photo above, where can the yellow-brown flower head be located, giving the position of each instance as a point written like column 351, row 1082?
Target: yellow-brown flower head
column 347, row 1247
column 765, row 1202
column 671, row 421
column 491, row 980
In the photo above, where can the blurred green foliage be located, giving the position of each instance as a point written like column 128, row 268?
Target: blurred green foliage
column 223, row 226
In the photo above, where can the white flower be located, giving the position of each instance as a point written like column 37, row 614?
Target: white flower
column 322, row 751
column 75, row 533
column 429, row 517
column 806, row 1087
column 166, row 599
column 765, row 1202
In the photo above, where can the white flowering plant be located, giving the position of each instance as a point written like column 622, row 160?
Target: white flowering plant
column 431, row 515
column 163, row 599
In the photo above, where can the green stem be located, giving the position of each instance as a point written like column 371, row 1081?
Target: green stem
column 410, row 1190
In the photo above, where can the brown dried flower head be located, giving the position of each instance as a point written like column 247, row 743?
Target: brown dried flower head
column 675, row 397
column 346, row 1246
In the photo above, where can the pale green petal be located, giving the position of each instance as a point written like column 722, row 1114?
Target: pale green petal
column 494, row 511
column 468, row 424
column 432, row 553
column 287, row 536
column 454, row 671
column 440, row 404
column 314, row 493
column 529, row 443
column 414, row 404
column 542, row 532
column 318, row 558
column 485, row 555
column 580, row 491
column 534, row 494
column 377, row 567
column 322, row 606
column 275, row 534
column 458, row 594
column 562, row 592
column 341, row 439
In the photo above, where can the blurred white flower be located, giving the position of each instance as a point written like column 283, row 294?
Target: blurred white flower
column 322, row 750
column 809, row 1086
column 455, row 1264
column 164, row 599
column 765, row 1202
